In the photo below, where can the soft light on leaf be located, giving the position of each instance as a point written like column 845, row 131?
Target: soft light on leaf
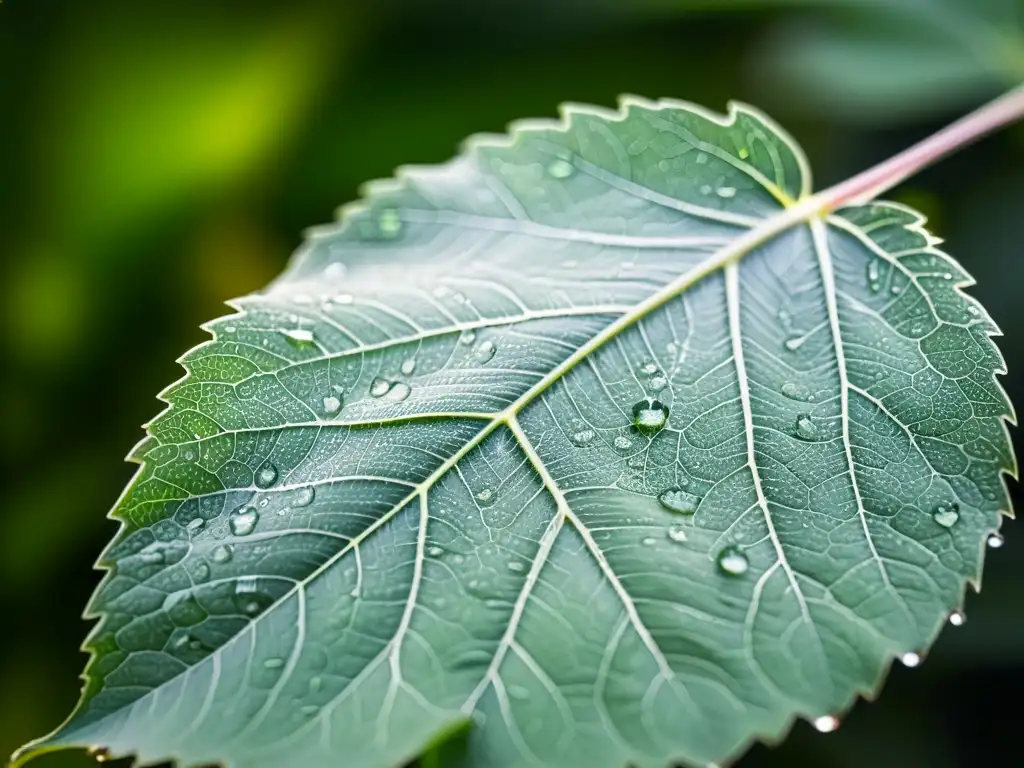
column 589, row 435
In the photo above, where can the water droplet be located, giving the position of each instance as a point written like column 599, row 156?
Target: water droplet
column 795, row 343
column 957, row 618
column 873, row 277
column 826, row 724
column 299, row 336
column 266, row 475
column 623, row 443
column 398, row 392
column 273, row 663
column 910, row 659
column 705, row 189
column 650, row 541
column 658, row 383
column 467, row 337
column 805, row 428
column 650, row 415
column 152, row 554
column 485, row 495
column 744, row 153
column 221, row 554
column 484, row 351
column 304, row 496
column 561, row 169
column 732, row 561
column 946, row 515
column 99, row 754
column 389, row 223
column 518, row 692
column 677, row 534
column 435, row 551
column 243, row 522
column 516, row 567
column 408, row 366
column 679, row 501
column 309, row 709
column 649, row 369
column 702, row 158
column 379, row 387
column 344, row 298
column 995, row 540
column 195, row 524
column 583, row 437
column 332, row 405
column 726, row 192
column 795, row 391
column 896, row 290
column 189, row 455
column 315, row 684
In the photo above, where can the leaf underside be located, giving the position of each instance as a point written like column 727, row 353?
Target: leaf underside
column 419, row 479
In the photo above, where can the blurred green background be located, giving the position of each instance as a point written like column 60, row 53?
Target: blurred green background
column 159, row 158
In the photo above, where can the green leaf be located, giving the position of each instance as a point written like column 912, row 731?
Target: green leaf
column 593, row 436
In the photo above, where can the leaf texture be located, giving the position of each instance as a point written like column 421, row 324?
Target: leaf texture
column 427, row 475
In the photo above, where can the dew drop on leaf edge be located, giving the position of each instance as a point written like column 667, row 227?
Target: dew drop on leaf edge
column 957, row 618
column 910, row 659
column 995, row 540
column 732, row 561
column 826, row 724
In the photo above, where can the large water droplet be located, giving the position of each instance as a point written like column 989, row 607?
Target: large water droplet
column 826, row 724
column 650, row 415
column 379, row 387
column 244, row 521
column 623, row 443
column 995, row 540
column 467, row 338
column 732, row 561
column 946, row 515
column 658, row 383
column 398, row 392
column 677, row 534
column 957, row 618
column 484, row 351
column 910, row 659
column 408, row 366
column 266, row 475
column 805, row 428
column 299, row 336
column 304, row 496
column 221, row 554
column 583, row 437
column 649, row 369
column 561, row 169
column 389, row 223
column 679, row 501
column 332, row 405
column 795, row 391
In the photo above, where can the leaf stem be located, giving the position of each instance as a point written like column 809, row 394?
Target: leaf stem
column 867, row 185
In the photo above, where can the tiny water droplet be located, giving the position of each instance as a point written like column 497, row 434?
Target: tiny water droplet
column 896, row 290
column 99, row 754
column 705, row 189
column 679, row 501
column 702, row 158
column 650, row 415
column 650, row 541
column 658, row 383
column 379, row 387
column 266, row 475
column 299, row 336
column 189, row 455
column 946, row 515
column 583, row 437
column 221, row 554
column 485, row 351
column 467, row 337
column 398, row 392
column 315, row 684
column 873, row 277
column 561, row 169
column 623, row 443
column 435, row 551
column 957, row 618
column 795, row 391
column 242, row 523
column 677, row 534
column 995, row 540
column 826, row 724
column 726, row 192
column 273, row 663
column 910, row 659
column 195, row 524
column 304, row 496
column 408, row 366
column 732, row 561
column 744, row 153
column 805, row 428
column 332, row 405
column 795, row 343
column 389, row 223
column 516, row 567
